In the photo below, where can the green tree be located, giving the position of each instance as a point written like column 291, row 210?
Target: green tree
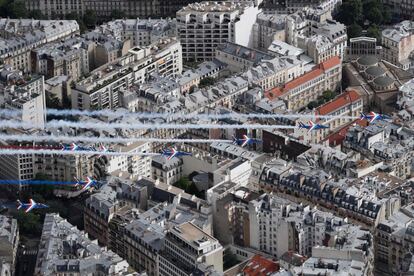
column 354, row 30
column 17, row 9
column 374, row 15
column 90, row 19
column 36, row 14
column 52, row 101
column 386, row 14
column 29, row 223
column 374, row 31
column 312, row 105
column 208, row 81
column 350, row 12
column 328, row 95
column 184, row 183
column 117, row 14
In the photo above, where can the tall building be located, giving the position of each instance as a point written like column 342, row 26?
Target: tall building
column 201, row 27
column 401, row 8
column 394, row 242
column 102, row 89
column 278, row 226
column 398, row 44
column 102, row 206
column 269, row 26
column 185, row 247
column 317, row 34
column 25, row 93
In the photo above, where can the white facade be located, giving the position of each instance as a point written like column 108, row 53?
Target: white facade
column 203, row 26
column 398, row 45
column 102, row 89
column 136, row 165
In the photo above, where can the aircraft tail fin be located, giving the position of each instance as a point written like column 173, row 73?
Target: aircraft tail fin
column 234, row 140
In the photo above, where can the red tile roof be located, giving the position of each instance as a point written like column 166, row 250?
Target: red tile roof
column 338, row 137
column 317, row 71
column 329, row 63
column 260, row 266
column 342, row 100
column 304, row 79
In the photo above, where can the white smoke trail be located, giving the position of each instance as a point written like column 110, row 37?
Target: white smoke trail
column 82, row 152
column 153, row 126
column 171, row 116
column 87, row 139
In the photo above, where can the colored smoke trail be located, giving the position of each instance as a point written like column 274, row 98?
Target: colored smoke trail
column 36, row 182
column 174, row 116
column 153, row 126
column 87, row 139
column 83, row 152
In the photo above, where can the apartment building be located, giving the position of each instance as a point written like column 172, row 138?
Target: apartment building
column 291, row 6
column 269, row 26
column 57, row 233
column 346, row 105
column 52, row 61
column 401, row 8
column 60, row 8
column 141, row 32
column 299, row 92
column 167, row 171
column 384, row 142
column 278, row 226
column 239, row 58
column 143, row 242
column 26, row 94
column 104, row 8
column 9, row 241
column 224, row 92
column 185, row 247
column 101, row 48
column 398, row 44
column 305, row 184
column 231, row 214
column 317, row 34
column 201, row 27
column 19, row 36
column 394, row 242
column 101, row 207
column 65, row 168
column 101, row 90
column 137, row 165
column 274, row 72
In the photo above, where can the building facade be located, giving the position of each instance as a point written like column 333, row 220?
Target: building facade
column 201, row 27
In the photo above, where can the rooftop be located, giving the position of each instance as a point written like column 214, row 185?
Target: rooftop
column 346, row 98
